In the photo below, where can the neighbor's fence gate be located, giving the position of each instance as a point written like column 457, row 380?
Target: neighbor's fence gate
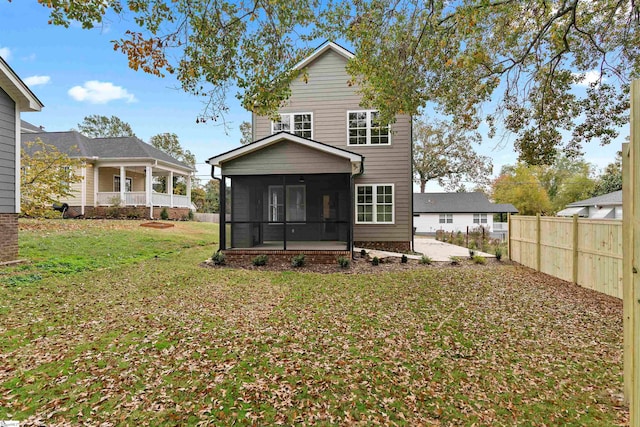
column 583, row 251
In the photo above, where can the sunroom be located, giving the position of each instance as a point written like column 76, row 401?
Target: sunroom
column 287, row 193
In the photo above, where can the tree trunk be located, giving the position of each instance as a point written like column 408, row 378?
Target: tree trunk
column 423, row 183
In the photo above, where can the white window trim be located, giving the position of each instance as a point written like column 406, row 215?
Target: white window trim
column 286, row 204
column 375, row 203
column 291, row 122
column 486, row 218
column 125, row 185
column 446, row 215
column 368, row 144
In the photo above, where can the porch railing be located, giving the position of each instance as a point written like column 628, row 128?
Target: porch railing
column 181, row 201
column 139, row 198
column 161, row 199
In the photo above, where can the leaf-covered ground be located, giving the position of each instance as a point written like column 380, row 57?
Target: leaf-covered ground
column 148, row 337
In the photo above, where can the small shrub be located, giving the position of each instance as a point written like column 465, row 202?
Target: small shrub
column 344, row 262
column 477, row 259
column 404, row 259
column 375, row 261
column 471, row 253
column 164, row 214
column 218, row 258
column 133, row 215
column 298, row 261
column 455, row 260
column 498, row 254
column 260, row 260
column 190, row 216
column 425, row 260
column 363, row 253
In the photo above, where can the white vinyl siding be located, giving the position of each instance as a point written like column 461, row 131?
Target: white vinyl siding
column 363, row 129
column 374, row 204
column 300, row 124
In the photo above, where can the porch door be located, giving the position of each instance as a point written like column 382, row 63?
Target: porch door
column 330, row 214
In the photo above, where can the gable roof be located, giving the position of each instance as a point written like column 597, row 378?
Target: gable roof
column 17, row 89
column 76, row 144
column 613, row 198
column 327, row 45
column 284, row 136
column 475, row 202
column 26, row 127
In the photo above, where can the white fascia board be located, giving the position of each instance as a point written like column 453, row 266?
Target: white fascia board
column 17, row 89
column 142, row 161
column 283, row 136
column 322, row 49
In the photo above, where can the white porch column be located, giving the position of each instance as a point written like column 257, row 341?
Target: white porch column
column 170, row 186
column 123, row 184
column 96, row 184
column 148, row 188
column 83, row 195
column 189, row 189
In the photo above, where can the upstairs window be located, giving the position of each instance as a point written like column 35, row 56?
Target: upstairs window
column 300, row 124
column 365, row 129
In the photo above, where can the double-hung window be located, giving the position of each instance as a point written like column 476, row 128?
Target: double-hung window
column 365, row 129
column 300, row 124
column 479, row 218
column 293, row 206
column 374, row 204
column 446, row 218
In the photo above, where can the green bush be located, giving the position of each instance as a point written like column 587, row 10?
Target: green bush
column 471, row 253
column 260, row 260
column 218, row 258
column 298, row 261
column 375, row 261
column 455, row 260
column 477, row 259
column 344, row 262
column 363, row 253
column 498, row 254
column 164, row 214
column 425, row 260
column 404, row 259
column 190, row 216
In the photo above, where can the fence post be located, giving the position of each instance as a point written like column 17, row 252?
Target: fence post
column 509, row 236
column 627, row 269
column 575, row 249
column 538, row 245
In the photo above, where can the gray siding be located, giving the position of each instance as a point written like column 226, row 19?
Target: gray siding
column 328, row 96
column 7, row 154
column 286, row 158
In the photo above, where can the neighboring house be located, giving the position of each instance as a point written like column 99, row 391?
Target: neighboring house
column 15, row 97
column 607, row 206
column 304, row 183
column 457, row 212
column 107, row 163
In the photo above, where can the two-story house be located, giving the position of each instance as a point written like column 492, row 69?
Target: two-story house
column 323, row 177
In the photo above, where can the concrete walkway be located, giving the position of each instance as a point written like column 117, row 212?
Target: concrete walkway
column 434, row 249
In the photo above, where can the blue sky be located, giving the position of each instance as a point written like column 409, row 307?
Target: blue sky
column 76, row 73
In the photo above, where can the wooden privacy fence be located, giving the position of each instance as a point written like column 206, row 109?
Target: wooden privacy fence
column 583, row 251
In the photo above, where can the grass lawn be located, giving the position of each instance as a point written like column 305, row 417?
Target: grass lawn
column 118, row 324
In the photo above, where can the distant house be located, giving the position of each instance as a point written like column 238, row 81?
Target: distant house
column 607, row 206
column 15, row 97
column 457, row 211
column 118, row 171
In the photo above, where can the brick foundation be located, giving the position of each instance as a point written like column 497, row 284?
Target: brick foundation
column 395, row 246
column 245, row 256
column 8, row 237
column 131, row 212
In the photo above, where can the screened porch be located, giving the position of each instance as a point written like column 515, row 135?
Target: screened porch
column 287, row 212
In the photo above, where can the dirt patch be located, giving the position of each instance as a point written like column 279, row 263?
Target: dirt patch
column 359, row 265
column 156, row 225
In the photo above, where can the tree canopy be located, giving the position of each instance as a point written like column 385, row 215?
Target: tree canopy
column 445, row 154
column 170, row 144
column 245, row 130
column 97, row 126
column 611, row 178
column 47, row 176
column 520, row 186
column 515, row 65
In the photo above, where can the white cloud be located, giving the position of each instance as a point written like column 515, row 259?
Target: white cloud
column 37, row 80
column 588, row 77
column 5, row 53
column 96, row 92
